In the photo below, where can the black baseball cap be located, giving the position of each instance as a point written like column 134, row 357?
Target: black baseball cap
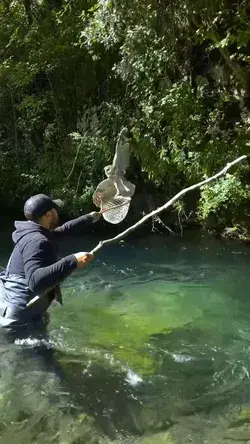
column 38, row 205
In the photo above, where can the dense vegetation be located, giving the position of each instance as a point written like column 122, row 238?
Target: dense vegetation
column 72, row 72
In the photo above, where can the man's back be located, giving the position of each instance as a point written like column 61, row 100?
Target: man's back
column 29, row 237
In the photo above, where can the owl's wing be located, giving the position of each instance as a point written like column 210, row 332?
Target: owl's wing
column 124, row 187
column 122, row 152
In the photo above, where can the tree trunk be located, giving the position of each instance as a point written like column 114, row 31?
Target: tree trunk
column 28, row 11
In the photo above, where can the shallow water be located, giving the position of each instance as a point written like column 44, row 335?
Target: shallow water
column 152, row 345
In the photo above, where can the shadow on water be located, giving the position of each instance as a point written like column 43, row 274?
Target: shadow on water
column 152, row 346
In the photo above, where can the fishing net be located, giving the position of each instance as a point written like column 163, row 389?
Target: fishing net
column 116, row 209
column 113, row 195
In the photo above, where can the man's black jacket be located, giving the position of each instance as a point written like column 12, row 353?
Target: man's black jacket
column 35, row 256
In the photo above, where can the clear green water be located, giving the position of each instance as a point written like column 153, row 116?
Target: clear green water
column 152, row 346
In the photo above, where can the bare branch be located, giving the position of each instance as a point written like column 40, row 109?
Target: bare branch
column 159, row 221
column 166, row 205
column 15, row 125
column 78, row 182
column 75, row 160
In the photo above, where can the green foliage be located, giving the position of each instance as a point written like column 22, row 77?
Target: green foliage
column 223, row 199
column 72, row 73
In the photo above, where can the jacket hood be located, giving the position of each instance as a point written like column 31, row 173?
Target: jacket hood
column 26, row 227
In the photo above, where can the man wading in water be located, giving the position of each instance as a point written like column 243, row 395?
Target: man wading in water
column 34, row 269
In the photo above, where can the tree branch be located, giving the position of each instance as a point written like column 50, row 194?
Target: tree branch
column 75, row 160
column 166, row 205
column 15, row 125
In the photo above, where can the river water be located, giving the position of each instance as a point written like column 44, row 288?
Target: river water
column 152, row 346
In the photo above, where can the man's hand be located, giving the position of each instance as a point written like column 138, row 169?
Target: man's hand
column 96, row 215
column 98, row 198
column 83, row 259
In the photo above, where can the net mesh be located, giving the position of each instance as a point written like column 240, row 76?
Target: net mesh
column 116, row 209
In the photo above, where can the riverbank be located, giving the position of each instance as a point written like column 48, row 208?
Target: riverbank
column 175, row 221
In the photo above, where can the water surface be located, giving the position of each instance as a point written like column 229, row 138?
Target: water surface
column 151, row 346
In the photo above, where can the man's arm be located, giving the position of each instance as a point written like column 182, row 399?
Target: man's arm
column 76, row 226
column 40, row 275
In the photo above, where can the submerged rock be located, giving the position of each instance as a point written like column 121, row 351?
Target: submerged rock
column 243, row 417
column 80, row 430
column 239, row 434
column 239, row 424
column 158, row 438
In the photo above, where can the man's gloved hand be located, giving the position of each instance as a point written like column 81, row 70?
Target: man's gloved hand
column 83, row 259
column 96, row 215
